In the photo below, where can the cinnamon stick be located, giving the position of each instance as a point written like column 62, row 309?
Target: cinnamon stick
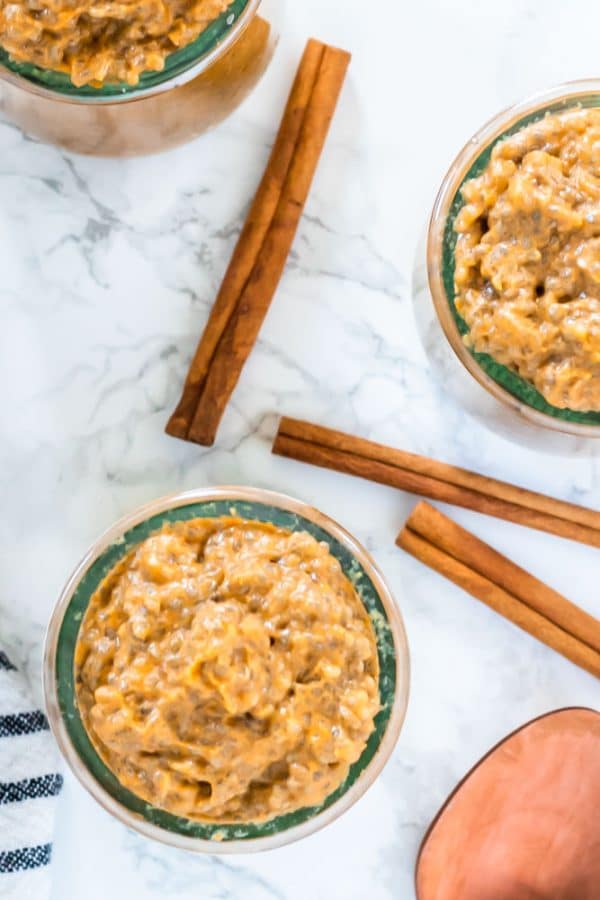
column 430, row 478
column 503, row 586
column 259, row 258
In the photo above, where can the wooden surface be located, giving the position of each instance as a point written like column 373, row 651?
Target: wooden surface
column 525, row 823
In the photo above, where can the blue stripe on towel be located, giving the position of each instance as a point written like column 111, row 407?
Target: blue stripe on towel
column 30, row 788
column 25, row 858
column 22, row 723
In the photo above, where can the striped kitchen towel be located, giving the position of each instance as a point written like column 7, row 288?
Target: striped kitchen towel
column 29, row 785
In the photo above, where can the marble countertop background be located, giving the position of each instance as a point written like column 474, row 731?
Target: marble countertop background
column 108, row 272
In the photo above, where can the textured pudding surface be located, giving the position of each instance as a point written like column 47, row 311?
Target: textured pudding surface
column 110, row 41
column 527, row 258
column 227, row 671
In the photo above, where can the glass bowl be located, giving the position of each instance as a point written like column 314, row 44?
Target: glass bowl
column 497, row 396
column 200, row 85
column 59, row 687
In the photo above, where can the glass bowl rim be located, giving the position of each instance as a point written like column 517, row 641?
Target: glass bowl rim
column 568, row 93
column 401, row 688
column 129, row 94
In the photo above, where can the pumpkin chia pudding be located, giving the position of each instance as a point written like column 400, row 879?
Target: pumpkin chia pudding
column 100, row 42
column 527, row 258
column 227, row 671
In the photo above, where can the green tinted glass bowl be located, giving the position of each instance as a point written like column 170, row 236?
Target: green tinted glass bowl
column 59, row 683
column 503, row 383
column 200, row 86
column 179, row 66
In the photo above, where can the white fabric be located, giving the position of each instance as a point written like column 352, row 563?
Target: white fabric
column 17, row 819
column 15, row 696
column 33, row 885
column 26, row 758
column 29, row 786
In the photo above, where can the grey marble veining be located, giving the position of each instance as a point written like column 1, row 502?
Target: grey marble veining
column 108, row 272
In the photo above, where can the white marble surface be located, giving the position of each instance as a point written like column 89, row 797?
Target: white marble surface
column 108, row 270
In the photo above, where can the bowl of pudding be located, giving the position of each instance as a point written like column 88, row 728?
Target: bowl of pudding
column 508, row 301
column 126, row 79
column 226, row 670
